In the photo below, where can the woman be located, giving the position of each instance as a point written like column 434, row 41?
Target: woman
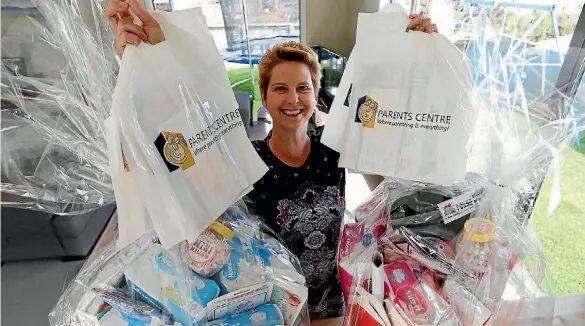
column 302, row 194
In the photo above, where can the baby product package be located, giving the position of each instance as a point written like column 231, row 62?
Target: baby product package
column 408, row 111
column 235, row 271
column 186, row 125
column 265, row 315
column 163, row 280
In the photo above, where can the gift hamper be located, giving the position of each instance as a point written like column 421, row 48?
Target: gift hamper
column 404, row 262
column 236, row 272
column 443, row 240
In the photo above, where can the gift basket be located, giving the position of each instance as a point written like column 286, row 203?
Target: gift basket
column 423, row 254
column 235, row 273
column 443, row 240
column 179, row 159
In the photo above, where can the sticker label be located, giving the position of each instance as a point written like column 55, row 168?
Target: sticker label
column 239, row 301
column 455, row 208
column 207, row 253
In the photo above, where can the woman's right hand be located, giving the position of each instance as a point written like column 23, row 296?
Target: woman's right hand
column 122, row 21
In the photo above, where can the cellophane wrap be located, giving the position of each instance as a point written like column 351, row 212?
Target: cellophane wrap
column 461, row 253
column 236, row 271
column 58, row 75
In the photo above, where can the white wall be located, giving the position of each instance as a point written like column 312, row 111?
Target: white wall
column 323, row 22
column 332, row 23
column 354, row 8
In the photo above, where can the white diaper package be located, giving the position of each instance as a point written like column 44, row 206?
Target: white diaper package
column 163, row 280
column 175, row 101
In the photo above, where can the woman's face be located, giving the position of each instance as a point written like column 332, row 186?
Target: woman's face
column 290, row 98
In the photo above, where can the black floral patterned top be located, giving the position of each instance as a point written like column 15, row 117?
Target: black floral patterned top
column 305, row 205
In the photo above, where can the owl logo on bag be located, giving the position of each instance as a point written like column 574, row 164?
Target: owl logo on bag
column 174, row 151
column 366, row 112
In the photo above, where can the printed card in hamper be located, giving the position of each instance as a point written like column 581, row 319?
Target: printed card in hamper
column 239, row 301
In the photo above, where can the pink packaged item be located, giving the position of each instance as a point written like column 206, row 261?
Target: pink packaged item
column 409, row 294
column 351, row 247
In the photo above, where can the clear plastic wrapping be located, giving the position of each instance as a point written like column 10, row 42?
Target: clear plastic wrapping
column 461, row 253
column 57, row 81
column 237, row 271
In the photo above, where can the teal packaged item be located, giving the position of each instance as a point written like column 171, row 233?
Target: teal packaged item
column 266, row 315
column 241, row 269
column 131, row 307
column 136, row 321
column 253, row 261
column 113, row 317
column 163, row 280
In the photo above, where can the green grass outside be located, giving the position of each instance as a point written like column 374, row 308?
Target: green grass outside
column 239, row 74
column 562, row 234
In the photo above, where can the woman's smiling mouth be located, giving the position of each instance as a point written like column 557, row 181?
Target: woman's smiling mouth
column 292, row 112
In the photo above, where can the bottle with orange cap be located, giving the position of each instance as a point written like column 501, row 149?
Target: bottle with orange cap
column 474, row 245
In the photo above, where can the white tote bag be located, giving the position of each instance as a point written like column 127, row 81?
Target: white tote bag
column 391, row 18
column 136, row 191
column 133, row 218
column 176, row 109
column 409, row 111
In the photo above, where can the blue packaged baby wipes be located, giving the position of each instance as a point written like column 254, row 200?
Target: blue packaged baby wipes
column 253, row 261
column 165, row 281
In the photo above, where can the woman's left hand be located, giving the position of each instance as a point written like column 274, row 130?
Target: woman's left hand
column 420, row 23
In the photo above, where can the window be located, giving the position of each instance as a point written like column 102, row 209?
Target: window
column 164, row 5
column 243, row 30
